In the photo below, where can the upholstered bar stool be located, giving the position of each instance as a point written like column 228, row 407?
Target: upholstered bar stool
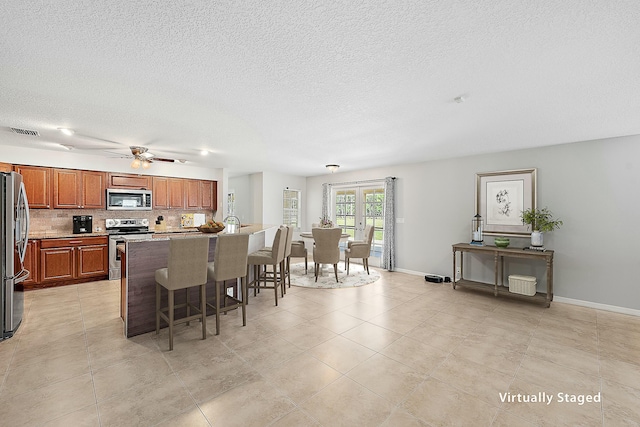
column 187, row 267
column 229, row 262
column 274, row 257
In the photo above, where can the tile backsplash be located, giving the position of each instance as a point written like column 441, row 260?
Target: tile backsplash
column 61, row 220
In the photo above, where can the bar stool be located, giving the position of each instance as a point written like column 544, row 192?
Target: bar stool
column 229, row 262
column 274, row 257
column 187, row 267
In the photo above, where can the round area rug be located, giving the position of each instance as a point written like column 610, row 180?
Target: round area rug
column 327, row 279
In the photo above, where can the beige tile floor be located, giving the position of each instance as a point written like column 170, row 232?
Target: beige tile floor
column 399, row 352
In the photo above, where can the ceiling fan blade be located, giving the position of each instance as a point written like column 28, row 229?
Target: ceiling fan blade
column 160, row 159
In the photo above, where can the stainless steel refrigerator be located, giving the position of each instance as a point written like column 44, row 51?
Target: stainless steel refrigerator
column 14, row 232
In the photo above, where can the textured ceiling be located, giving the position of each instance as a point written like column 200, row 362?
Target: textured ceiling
column 293, row 85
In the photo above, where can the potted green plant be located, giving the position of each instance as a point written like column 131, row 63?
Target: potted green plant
column 540, row 221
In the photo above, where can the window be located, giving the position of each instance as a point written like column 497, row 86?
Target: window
column 291, row 208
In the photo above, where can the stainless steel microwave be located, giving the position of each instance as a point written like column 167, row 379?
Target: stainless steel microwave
column 128, row 200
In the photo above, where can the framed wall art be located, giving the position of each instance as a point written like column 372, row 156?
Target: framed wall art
column 502, row 196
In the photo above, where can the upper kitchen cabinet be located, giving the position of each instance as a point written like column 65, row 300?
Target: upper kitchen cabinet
column 200, row 194
column 77, row 189
column 209, row 197
column 129, row 181
column 168, row 193
column 37, row 181
column 6, row 167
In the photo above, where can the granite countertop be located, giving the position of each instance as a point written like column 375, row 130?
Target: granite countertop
column 245, row 229
column 62, row 234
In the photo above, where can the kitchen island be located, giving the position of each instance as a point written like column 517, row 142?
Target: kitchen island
column 141, row 259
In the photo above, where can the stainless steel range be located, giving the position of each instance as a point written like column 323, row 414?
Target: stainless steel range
column 121, row 230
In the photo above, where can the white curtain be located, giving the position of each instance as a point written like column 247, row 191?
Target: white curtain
column 389, row 247
column 326, row 197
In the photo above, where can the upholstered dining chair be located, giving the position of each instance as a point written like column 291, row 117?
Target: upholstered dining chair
column 326, row 249
column 359, row 249
column 229, row 263
column 299, row 250
column 274, row 258
column 186, row 268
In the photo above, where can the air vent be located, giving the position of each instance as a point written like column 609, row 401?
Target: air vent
column 25, row 132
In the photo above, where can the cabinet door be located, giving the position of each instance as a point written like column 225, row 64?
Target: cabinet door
column 37, row 181
column 208, row 194
column 92, row 261
column 194, row 194
column 66, row 189
column 93, row 190
column 160, row 193
column 130, row 181
column 57, row 264
column 176, row 193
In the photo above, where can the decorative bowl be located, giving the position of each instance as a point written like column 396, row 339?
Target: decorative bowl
column 210, row 229
column 501, row 242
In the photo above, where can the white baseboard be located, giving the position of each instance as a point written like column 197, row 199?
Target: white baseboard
column 598, row 306
column 589, row 304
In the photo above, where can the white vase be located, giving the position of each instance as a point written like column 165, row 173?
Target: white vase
column 536, row 238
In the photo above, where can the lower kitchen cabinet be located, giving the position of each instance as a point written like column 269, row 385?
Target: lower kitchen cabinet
column 66, row 261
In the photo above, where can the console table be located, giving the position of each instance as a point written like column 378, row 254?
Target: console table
column 499, row 254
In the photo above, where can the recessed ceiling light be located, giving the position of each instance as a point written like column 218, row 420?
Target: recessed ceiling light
column 204, row 152
column 66, row 131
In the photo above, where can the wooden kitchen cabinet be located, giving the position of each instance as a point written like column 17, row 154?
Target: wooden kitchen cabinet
column 68, row 260
column 37, row 182
column 129, row 181
column 209, row 197
column 200, row 194
column 193, row 199
column 168, row 193
column 78, row 189
column 6, row 167
column 30, row 263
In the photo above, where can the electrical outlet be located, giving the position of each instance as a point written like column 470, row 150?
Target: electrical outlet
column 458, row 273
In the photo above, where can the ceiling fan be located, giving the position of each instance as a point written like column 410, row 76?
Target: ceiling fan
column 142, row 157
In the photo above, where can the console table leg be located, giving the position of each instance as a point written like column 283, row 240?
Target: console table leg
column 454, row 269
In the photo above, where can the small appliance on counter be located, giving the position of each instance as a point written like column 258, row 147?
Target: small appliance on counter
column 160, row 224
column 82, row 224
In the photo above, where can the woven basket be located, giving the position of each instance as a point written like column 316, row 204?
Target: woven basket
column 210, row 229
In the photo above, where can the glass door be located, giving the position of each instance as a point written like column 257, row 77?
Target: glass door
column 356, row 207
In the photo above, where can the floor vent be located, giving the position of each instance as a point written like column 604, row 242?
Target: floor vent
column 25, row 132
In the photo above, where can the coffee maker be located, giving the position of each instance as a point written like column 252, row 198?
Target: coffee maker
column 82, row 224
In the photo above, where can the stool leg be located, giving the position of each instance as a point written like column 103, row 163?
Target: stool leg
column 158, row 291
column 275, row 281
column 171, row 300
column 217, row 307
column 203, row 309
column 243, row 290
column 188, row 304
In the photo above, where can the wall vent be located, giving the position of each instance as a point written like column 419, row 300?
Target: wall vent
column 25, row 131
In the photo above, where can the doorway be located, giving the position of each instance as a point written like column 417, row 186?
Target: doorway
column 354, row 208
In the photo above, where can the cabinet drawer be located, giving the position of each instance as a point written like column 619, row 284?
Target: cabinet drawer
column 80, row 241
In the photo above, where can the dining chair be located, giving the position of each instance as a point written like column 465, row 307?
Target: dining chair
column 326, row 249
column 274, row 258
column 360, row 249
column 299, row 250
column 229, row 263
column 186, row 268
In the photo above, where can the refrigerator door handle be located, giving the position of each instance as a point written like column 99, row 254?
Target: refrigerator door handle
column 21, row 277
column 23, row 239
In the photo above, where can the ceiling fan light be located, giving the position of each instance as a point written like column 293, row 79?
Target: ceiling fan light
column 146, row 164
column 136, row 163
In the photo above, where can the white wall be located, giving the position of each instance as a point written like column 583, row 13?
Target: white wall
column 592, row 186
